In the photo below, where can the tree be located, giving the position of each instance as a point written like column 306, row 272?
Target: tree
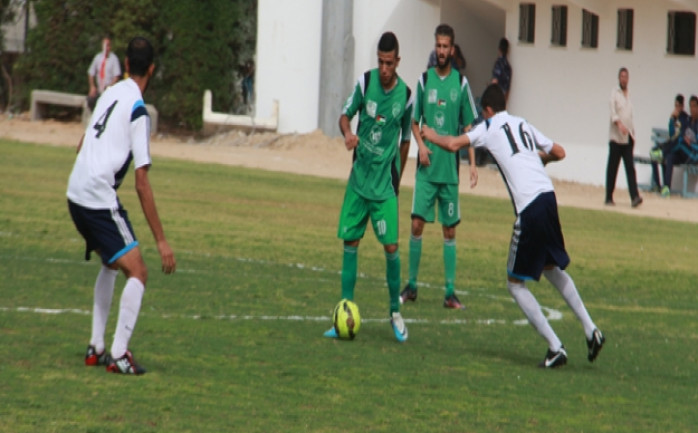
column 8, row 13
column 199, row 45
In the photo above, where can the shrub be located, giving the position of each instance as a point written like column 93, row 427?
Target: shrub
column 199, row 45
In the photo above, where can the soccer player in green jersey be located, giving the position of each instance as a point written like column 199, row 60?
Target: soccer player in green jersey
column 444, row 102
column 384, row 104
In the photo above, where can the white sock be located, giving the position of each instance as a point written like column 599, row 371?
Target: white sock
column 564, row 284
column 530, row 307
column 103, row 292
column 128, row 314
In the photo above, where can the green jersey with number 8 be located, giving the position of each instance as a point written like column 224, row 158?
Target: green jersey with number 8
column 445, row 104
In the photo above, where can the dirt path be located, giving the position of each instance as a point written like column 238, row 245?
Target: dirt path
column 315, row 154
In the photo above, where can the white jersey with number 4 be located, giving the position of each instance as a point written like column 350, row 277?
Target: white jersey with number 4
column 118, row 132
column 514, row 145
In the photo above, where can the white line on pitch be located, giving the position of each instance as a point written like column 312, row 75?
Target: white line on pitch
column 552, row 315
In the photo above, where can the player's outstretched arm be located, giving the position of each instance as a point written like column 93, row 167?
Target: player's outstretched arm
column 471, row 158
column 145, row 195
column 473, row 167
column 557, row 153
column 447, row 142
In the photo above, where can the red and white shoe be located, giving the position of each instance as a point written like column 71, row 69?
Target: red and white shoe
column 125, row 365
column 92, row 358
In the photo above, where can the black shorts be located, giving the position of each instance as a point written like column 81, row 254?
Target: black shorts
column 107, row 231
column 537, row 240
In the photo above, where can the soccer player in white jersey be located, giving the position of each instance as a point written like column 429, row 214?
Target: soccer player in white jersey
column 537, row 245
column 118, row 132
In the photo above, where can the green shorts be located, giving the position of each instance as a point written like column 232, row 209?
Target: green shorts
column 426, row 195
column 355, row 213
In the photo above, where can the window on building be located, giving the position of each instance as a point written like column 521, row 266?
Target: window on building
column 625, row 29
column 559, row 34
column 681, row 35
column 527, row 22
column 590, row 29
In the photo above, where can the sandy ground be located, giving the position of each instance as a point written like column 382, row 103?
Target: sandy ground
column 315, row 154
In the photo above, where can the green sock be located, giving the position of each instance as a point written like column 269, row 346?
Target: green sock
column 349, row 266
column 450, row 264
column 392, row 275
column 415, row 256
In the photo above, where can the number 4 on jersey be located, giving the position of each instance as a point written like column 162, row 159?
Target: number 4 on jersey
column 101, row 124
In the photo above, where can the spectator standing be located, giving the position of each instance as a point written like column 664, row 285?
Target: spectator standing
column 501, row 72
column 103, row 72
column 248, row 83
column 621, row 141
column 458, row 62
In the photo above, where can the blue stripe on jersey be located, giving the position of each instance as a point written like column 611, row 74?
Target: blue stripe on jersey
column 138, row 110
column 119, row 175
column 506, row 182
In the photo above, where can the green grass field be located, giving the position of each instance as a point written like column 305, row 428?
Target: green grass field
column 233, row 340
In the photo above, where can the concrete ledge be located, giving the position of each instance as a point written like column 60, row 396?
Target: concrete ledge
column 153, row 113
column 41, row 98
column 217, row 122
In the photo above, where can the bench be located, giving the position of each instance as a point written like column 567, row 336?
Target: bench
column 40, row 99
column 659, row 137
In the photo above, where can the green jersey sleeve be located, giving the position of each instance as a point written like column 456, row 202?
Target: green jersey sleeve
column 468, row 110
column 418, row 110
column 354, row 101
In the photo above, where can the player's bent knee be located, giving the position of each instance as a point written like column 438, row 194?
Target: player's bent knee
column 417, row 226
column 515, row 287
column 133, row 266
column 390, row 249
column 140, row 273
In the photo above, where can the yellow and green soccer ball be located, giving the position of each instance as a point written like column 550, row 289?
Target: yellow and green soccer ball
column 346, row 319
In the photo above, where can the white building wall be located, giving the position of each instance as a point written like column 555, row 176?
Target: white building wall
column 565, row 91
column 478, row 26
column 288, row 62
column 412, row 21
column 14, row 31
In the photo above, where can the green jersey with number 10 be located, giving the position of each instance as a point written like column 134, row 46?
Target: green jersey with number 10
column 384, row 121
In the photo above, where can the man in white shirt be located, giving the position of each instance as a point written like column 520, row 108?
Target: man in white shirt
column 537, row 245
column 621, row 141
column 103, row 72
column 118, row 132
